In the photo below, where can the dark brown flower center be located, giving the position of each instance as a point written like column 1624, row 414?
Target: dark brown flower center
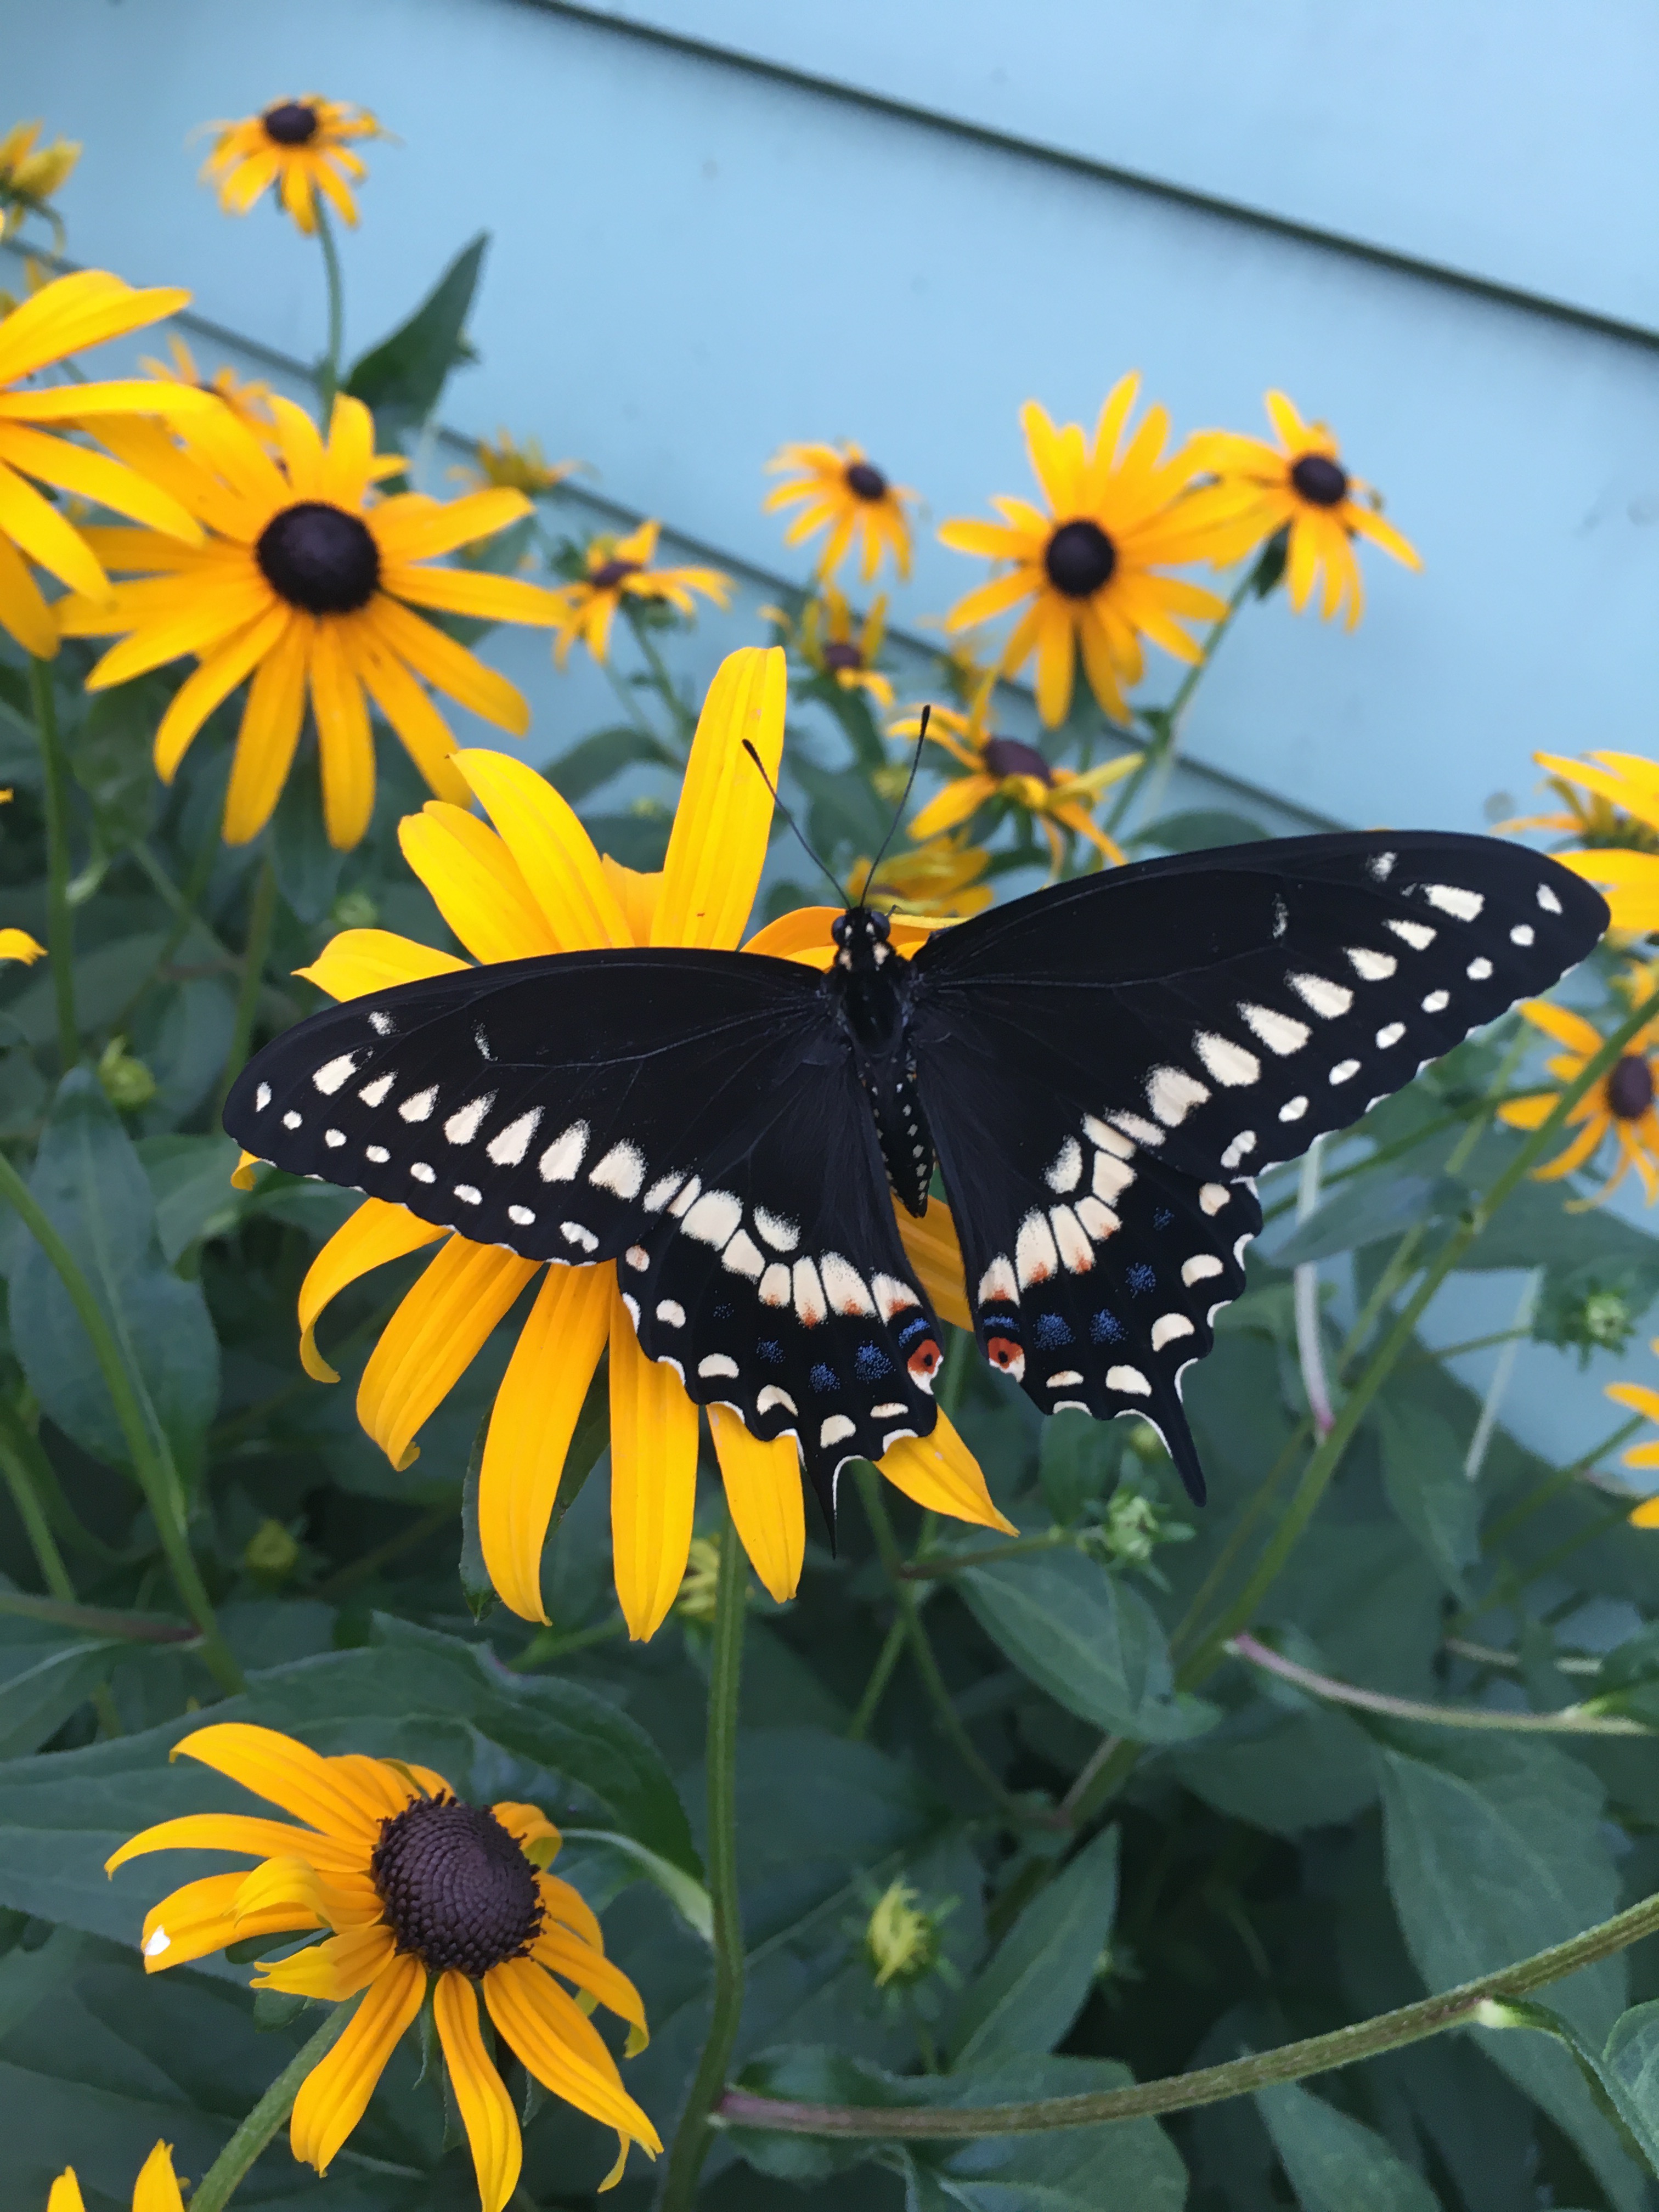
column 1014, row 756
column 865, row 482
column 1319, row 480
column 290, row 123
column 1630, row 1088
column 839, row 657
column 457, row 1889
column 1079, row 559
column 319, row 557
column 607, row 578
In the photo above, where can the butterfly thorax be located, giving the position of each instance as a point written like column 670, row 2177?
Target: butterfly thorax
column 866, row 982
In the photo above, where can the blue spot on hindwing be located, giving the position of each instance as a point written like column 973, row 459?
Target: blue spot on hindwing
column 917, row 1326
column 1105, row 1327
column 1163, row 1218
column 1050, row 1329
column 824, row 1380
column 770, row 1351
column 1141, row 1279
column 871, row 1363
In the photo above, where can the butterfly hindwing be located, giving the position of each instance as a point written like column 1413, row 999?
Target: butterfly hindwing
column 694, row 1116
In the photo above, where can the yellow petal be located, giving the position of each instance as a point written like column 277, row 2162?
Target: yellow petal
column 802, row 935
column 335, row 2094
column 1629, row 881
column 1644, row 1515
column 18, row 945
column 931, row 1247
column 939, row 1473
column 346, row 743
column 717, row 848
column 952, row 805
column 332, row 1971
column 375, row 1233
column 486, row 2110
column 66, row 2193
column 201, row 1919
column 359, row 961
column 156, row 2189
column 562, row 1952
column 1637, row 1396
column 534, row 1418
column 763, row 1490
column 291, row 1774
column 245, row 1832
column 1564, row 1026
column 476, row 883
column 531, row 1829
column 562, row 2047
column 653, row 1478
column 636, row 895
column 551, row 848
column 432, row 1338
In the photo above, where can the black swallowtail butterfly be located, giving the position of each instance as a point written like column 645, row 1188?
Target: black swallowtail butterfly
column 1098, row 1071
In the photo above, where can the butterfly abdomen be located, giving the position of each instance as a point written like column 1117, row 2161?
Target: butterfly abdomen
column 867, row 983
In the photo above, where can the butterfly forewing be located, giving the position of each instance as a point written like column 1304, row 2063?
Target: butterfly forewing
column 1105, row 1065
column 695, row 1117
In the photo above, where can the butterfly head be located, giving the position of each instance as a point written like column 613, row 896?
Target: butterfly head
column 860, row 936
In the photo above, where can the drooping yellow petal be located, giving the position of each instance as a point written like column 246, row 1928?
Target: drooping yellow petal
column 562, row 2047
column 18, row 945
column 201, row 1919
column 270, row 734
column 156, row 2189
column 432, row 1338
column 23, row 612
column 1564, row 1026
column 476, row 883
column 763, row 1490
column 66, row 2193
column 245, row 1832
column 207, row 686
column 1637, row 1396
column 486, row 2110
column 335, row 1970
column 421, row 730
column 931, row 1247
column 551, row 848
column 562, row 1952
column 359, row 961
column 281, row 1884
column 1629, row 881
column 375, row 1234
column 653, row 1478
column 534, row 1418
column 939, row 1473
column 288, row 1773
column 952, row 803
column 531, row 1829
column 335, row 2094
column 346, row 743
column 1644, row 1515
column 570, row 1909
column 717, row 848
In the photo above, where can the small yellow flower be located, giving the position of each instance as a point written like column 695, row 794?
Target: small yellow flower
column 1614, row 812
column 1009, row 769
column 18, row 945
column 1299, row 485
column 828, row 642
column 248, row 400
column 31, row 174
column 413, row 1887
column 1620, row 1104
column 901, row 1938
column 619, row 568
column 837, row 488
column 1091, row 567
column 156, row 2189
column 303, row 147
column 307, row 581
column 515, row 464
column 534, row 885
column 943, row 880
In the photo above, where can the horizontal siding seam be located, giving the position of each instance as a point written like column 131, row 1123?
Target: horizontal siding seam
column 1239, row 212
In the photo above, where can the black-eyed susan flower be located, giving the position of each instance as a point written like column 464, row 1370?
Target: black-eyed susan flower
column 943, row 880
column 845, row 652
column 31, row 174
column 839, row 489
column 1613, row 809
column 1620, row 1105
column 306, row 584
column 247, row 399
column 534, row 885
column 1301, row 486
column 64, row 318
column 303, row 147
column 1090, row 572
column 1009, row 771
column 156, row 2189
column 414, row 1888
column 516, row 464
column 619, row 568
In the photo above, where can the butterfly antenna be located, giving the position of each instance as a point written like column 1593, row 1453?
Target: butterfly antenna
column 795, row 826
column 898, row 812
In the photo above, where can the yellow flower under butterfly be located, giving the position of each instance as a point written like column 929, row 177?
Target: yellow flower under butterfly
column 1009, row 769
column 64, row 318
column 303, row 147
column 619, row 568
column 1614, row 809
column 415, row 1889
column 1620, row 1105
column 1092, row 567
column 534, row 885
column 156, row 2189
column 943, row 880
column 306, row 583
column 1299, row 485
column 839, row 489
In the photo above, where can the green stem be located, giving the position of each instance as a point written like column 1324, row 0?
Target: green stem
column 60, row 920
column 876, row 1688
column 96, row 1620
column 927, row 1567
column 262, row 914
column 1186, row 1629
column 328, row 369
column 61, row 1606
column 1208, row 2085
column 146, row 1441
column 1556, row 1484
column 1571, row 1720
column 691, row 2138
column 685, row 721
column 218, row 2184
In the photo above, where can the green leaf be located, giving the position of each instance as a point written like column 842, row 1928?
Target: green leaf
column 307, row 867
column 1037, row 1984
column 403, row 378
column 1365, row 1212
column 186, row 1050
column 1200, row 829
column 109, row 755
column 1494, row 1851
column 90, row 1183
column 592, row 763
column 1423, row 1473
column 1334, row 2163
column 46, row 1674
column 1629, row 2066
column 189, row 1181
column 1076, row 1461
column 476, row 1586
column 1089, row 1640
column 105, row 981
